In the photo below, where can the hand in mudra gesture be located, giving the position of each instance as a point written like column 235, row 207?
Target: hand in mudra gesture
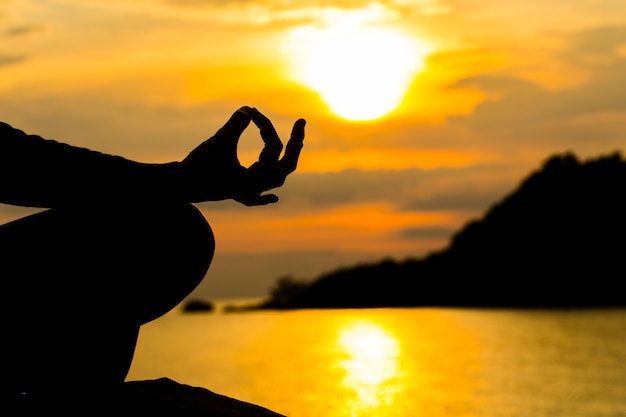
column 216, row 173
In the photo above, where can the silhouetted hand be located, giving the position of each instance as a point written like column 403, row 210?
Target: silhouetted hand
column 217, row 174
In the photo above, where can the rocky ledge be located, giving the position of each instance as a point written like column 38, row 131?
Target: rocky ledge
column 161, row 397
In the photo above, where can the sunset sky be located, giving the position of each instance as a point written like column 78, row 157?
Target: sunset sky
column 420, row 114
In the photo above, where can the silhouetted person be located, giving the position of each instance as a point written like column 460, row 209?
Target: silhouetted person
column 120, row 245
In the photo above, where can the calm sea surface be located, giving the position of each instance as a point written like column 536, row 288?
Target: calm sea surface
column 398, row 362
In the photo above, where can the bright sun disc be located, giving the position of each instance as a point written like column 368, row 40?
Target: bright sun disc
column 360, row 72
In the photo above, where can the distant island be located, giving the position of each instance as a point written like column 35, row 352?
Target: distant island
column 557, row 241
column 196, row 305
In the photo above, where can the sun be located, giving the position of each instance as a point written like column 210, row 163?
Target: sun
column 362, row 72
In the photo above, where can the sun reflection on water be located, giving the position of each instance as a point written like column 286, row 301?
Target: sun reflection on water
column 372, row 365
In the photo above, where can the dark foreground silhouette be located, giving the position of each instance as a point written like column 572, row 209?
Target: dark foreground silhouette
column 161, row 397
column 559, row 240
column 120, row 245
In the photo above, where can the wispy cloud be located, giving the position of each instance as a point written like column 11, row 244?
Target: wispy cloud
column 421, row 233
column 6, row 60
column 21, row 30
column 279, row 11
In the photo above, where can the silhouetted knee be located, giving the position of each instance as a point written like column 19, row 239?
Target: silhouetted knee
column 126, row 263
column 170, row 259
column 78, row 284
column 156, row 258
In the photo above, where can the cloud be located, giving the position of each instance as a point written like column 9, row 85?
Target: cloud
column 521, row 114
column 426, row 233
column 597, row 45
column 6, row 60
column 471, row 189
column 273, row 11
column 429, row 5
column 524, row 107
column 21, row 30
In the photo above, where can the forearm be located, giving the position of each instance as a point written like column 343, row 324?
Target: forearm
column 37, row 172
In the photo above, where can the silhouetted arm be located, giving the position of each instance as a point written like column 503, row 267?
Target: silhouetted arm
column 37, row 172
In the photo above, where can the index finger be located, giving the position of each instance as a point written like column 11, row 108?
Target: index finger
column 237, row 123
column 273, row 146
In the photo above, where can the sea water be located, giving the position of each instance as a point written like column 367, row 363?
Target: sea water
column 398, row 362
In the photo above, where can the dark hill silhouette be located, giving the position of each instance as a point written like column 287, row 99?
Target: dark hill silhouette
column 559, row 240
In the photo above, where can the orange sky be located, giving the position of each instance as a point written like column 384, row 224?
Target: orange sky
column 469, row 97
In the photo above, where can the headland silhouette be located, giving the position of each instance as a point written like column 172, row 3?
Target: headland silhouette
column 557, row 241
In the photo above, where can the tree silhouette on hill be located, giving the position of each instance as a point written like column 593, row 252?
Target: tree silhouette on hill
column 558, row 240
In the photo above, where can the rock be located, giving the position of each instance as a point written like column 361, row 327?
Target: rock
column 166, row 398
column 161, row 397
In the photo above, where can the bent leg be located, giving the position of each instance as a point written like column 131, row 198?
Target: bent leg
column 76, row 286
